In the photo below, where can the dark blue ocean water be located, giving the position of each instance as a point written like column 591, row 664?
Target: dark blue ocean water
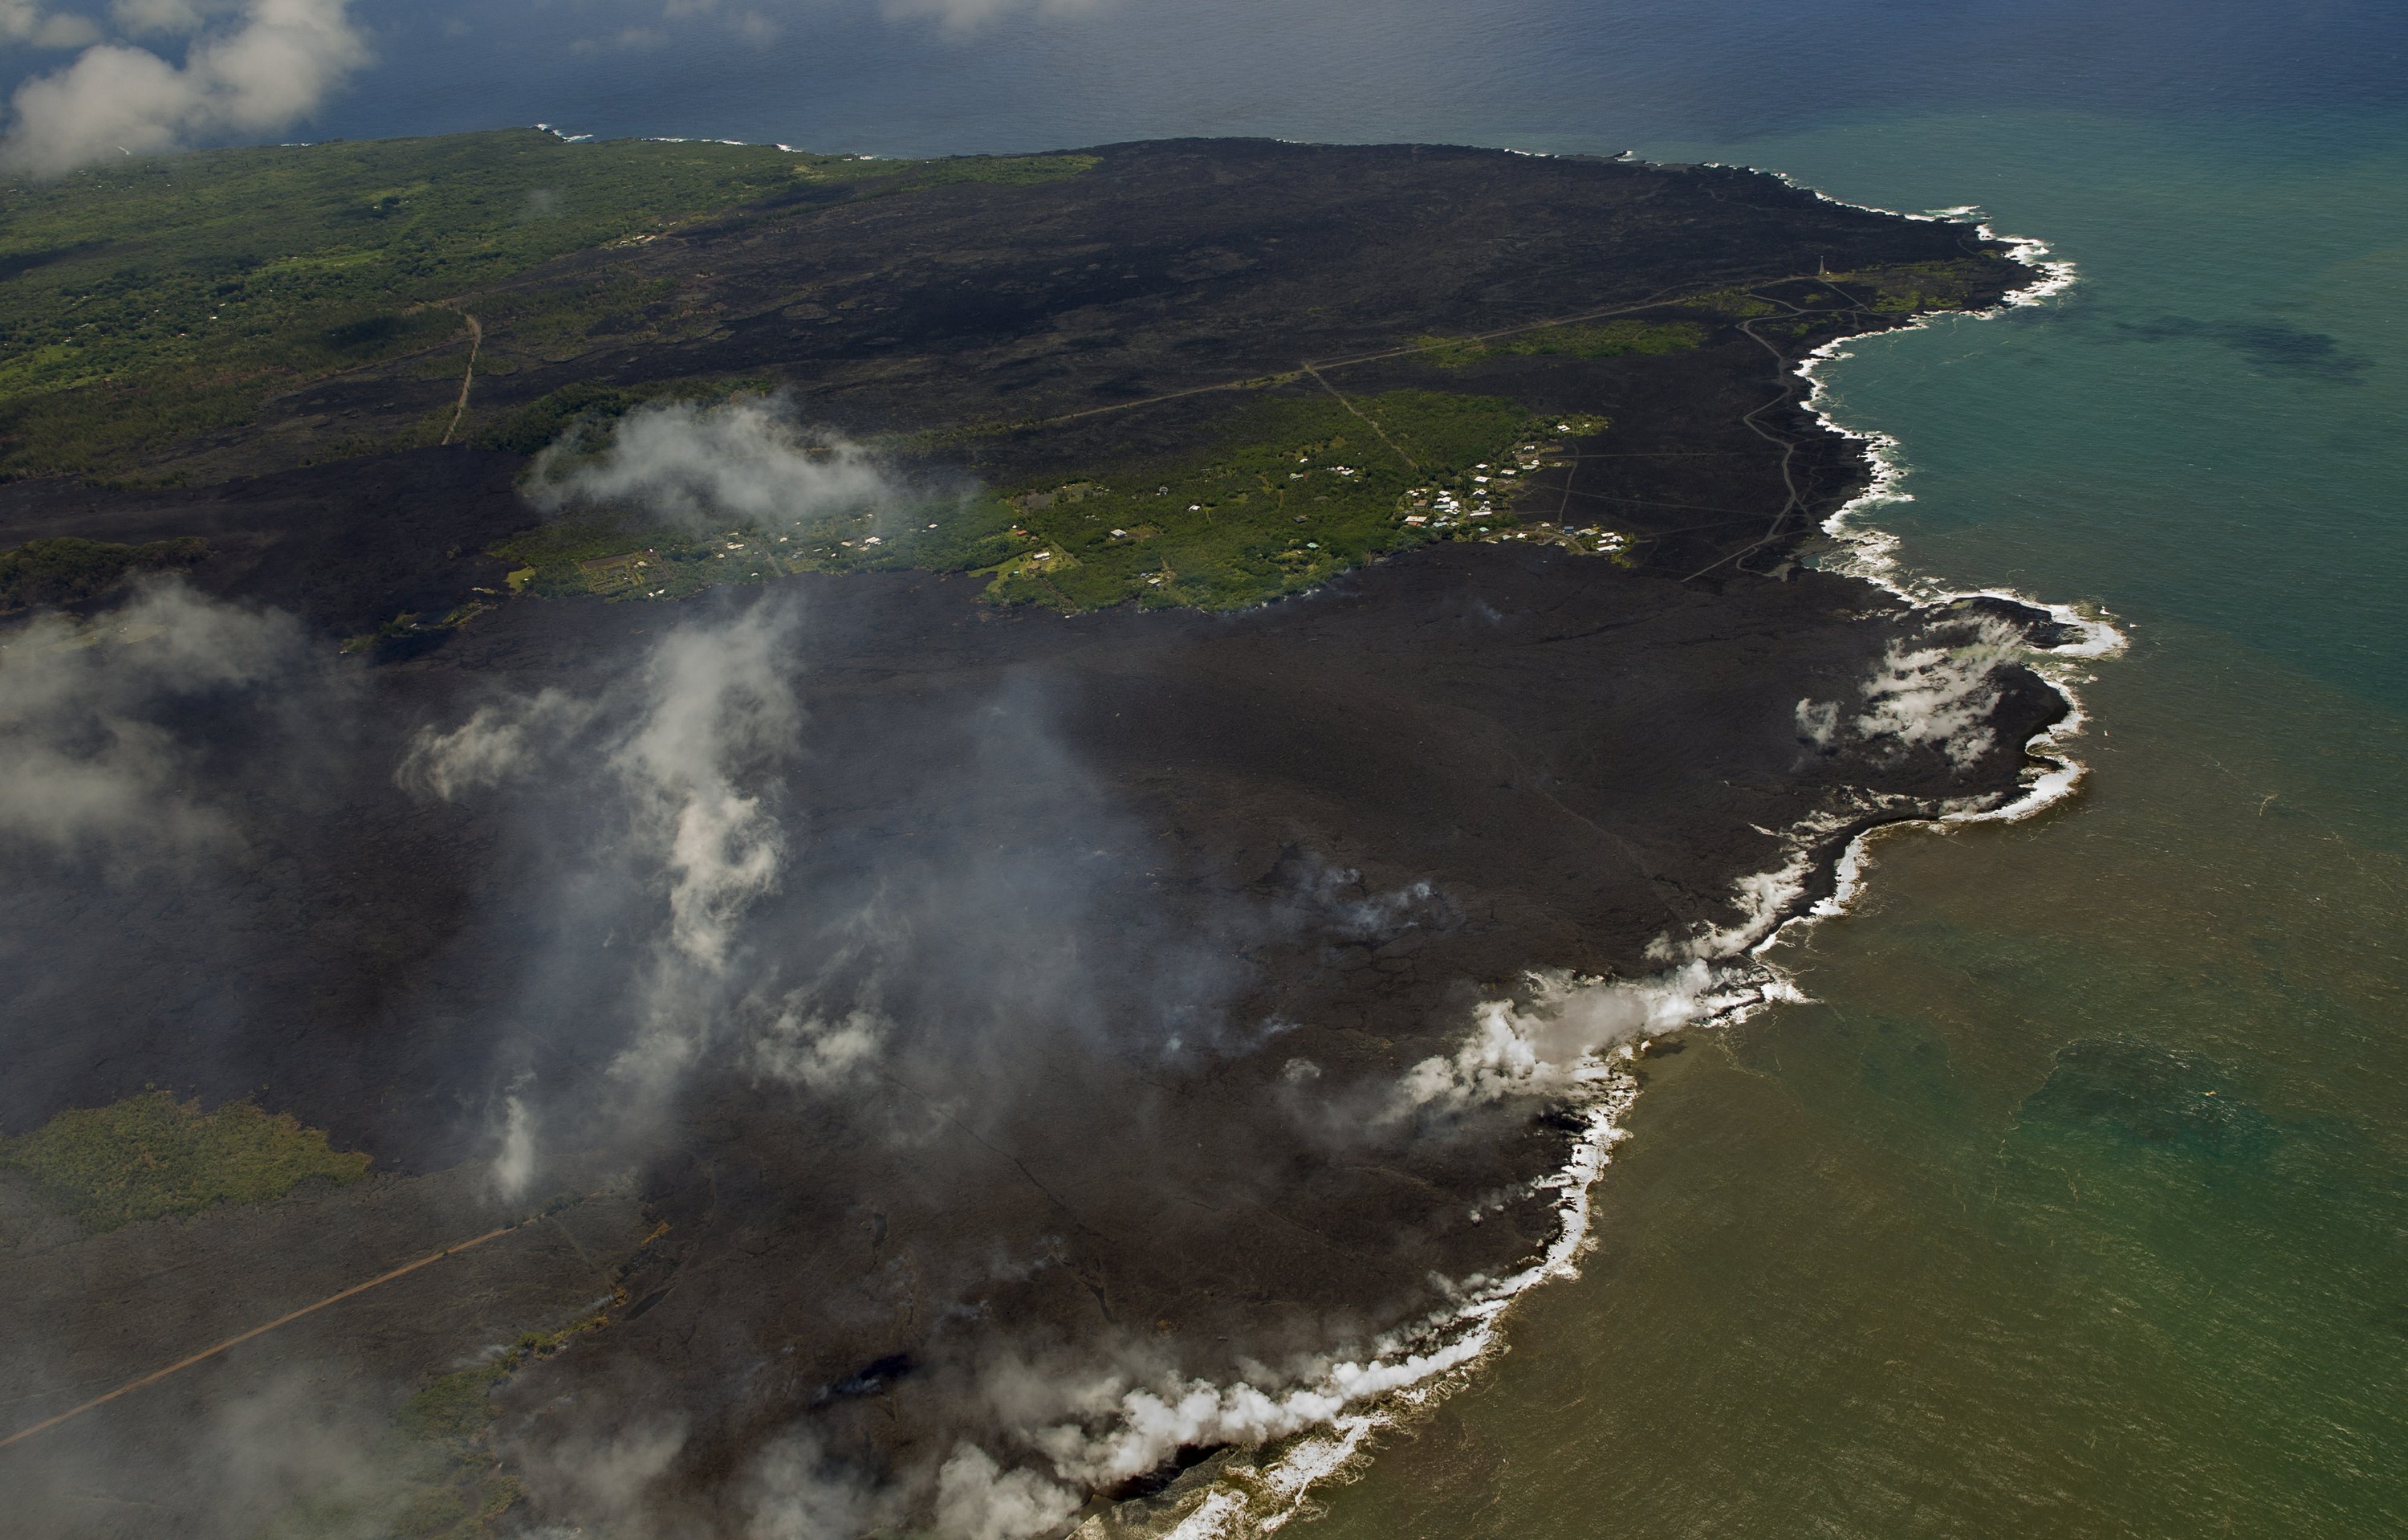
column 1969, row 1247
column 844, row 74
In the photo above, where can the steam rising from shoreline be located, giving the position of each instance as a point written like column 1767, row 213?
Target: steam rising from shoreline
column 1544, row 1045
column 1933, row 693
column 1924, row 694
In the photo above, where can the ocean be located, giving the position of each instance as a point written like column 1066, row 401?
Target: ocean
column 2074, row 1205
column 2076, row 1201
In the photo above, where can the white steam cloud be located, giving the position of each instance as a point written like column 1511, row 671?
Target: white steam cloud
column 1934, row 693
column 266, row 68
column 514, row 1166
column 717, row 697
column 822, row 1051
column 600, row 1479
column 1112, row 1431
column 713, row 710
column 82, row 759
column 799, row 1494
column 495, row 744
column 979, row 1500
column 1555, row 1040
column 1550, row 1045
column 745, row 462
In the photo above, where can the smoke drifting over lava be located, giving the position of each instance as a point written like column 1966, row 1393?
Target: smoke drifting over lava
column 1038, row 1055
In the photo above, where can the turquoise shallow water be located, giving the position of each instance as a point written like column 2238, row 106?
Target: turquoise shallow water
column 2075, row 1204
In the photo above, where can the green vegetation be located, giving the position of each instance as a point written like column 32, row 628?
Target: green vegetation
column 65, row 569
column 1606, row 339
column 157, row 298
column 1297, row 489
column 552, row 557
column 152, row 1155
column 413, row 622
column 622, row 557
column 1916, row 286
column 1294, row 490
column 1735, row 303
column 999, row 170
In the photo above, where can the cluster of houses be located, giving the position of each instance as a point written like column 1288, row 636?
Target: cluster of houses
column 1444, row 508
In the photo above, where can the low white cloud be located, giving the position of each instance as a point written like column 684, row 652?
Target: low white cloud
column 25, row 21
column 741, row 462
column 966, row 16
column 168, row 17
column 1941, row 694
column 262, row 69
column 746, row 22
column 84, row 758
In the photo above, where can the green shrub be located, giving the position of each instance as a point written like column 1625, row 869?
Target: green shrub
column 152, row 1155
column 62, row 569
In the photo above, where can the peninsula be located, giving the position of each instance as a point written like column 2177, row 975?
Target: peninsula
column 946, row 805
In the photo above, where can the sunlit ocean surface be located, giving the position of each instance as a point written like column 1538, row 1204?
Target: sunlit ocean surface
column 2078, row 1204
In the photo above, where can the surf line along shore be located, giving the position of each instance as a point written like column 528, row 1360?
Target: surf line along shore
column 1392, row 795
column 1272, row 1487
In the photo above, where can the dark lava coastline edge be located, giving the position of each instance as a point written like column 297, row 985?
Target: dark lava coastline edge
column 1390, row 797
